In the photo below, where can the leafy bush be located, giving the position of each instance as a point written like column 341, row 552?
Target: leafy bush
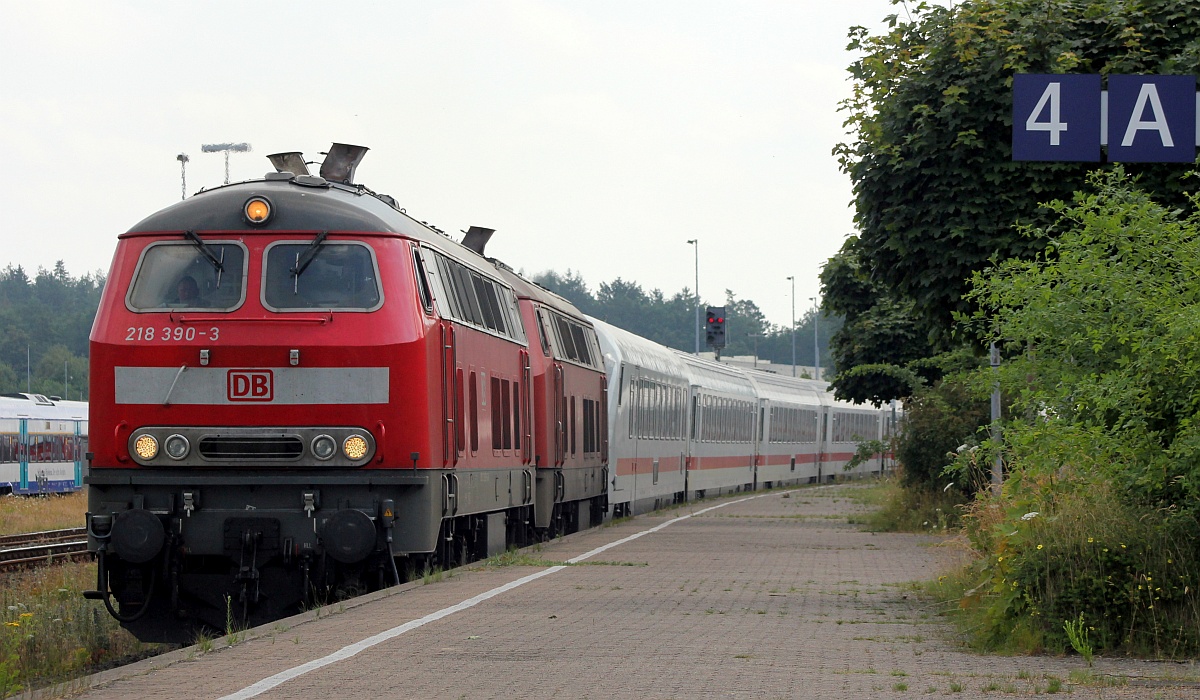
column 1102, row 445
column 938, row 422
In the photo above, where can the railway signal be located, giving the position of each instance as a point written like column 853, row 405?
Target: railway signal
column 715, row 326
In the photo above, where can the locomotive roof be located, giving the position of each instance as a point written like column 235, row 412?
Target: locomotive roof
column 308, row 203
column 304, row 203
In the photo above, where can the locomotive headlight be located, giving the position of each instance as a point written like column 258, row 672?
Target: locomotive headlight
column 257, row 210
column 355, row 447
column 146, row 447
column 323, row 447
column 177, row 447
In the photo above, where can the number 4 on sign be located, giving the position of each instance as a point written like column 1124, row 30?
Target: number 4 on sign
column 1056, row 117
column 1052, row 98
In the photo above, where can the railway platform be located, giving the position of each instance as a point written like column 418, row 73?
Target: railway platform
column 757, row 595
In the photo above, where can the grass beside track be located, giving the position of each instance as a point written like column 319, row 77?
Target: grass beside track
column 50, row 634
column 20, row 514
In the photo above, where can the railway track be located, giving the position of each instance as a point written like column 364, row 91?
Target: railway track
column 36, row 548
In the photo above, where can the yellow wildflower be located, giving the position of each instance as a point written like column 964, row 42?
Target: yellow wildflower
column 1039, row 546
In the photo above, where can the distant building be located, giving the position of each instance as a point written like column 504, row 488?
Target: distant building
column 751, row 362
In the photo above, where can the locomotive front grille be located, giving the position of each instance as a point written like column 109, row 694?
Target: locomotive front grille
column 247, row 448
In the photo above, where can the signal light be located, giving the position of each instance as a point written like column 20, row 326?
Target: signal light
column 715, row 327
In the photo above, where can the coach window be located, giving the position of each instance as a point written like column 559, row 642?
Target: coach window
column 301, row 276
column 182, row 276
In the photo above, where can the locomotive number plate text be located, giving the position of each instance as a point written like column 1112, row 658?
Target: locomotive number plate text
column 170, row 333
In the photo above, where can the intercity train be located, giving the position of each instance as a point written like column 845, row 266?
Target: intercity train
column 302, row 392
column 42, row 444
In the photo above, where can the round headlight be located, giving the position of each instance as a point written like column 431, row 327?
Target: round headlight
column 323, row 447
column 257, row 210
column 146, row 447
column 177, row 447
column 355, row 447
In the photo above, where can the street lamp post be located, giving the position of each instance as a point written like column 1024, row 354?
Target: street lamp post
column 696, row 242
column 225, row 148
column 816, row 336
column 183, row 161
column 793, row 281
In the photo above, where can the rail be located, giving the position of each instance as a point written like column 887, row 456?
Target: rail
column 31, row 549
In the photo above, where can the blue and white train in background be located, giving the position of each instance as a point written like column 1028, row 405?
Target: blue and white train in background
column 43, row 443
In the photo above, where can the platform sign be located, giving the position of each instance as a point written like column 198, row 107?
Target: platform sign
column 1140, row 118
column 1152, row 118
column 1056, row 117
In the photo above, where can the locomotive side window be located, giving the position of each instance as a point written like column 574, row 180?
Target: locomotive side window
column 299, row 276
column 574, row 341
column 180, row 276
column 474, row 298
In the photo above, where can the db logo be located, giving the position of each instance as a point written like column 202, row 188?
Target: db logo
column 250, row 385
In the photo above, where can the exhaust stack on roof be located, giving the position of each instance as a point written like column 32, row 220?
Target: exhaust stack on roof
column 290, row 162
column 341, row 161
column 477, row 237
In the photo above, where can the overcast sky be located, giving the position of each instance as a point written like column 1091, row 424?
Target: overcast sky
column 593, row 136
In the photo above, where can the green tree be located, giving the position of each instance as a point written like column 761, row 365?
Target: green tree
column 570, row 286
column 60, row 372
column 880, row 338
column 8, row 380
column 937, row 194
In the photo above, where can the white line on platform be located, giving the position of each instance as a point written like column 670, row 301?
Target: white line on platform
column 352, row 649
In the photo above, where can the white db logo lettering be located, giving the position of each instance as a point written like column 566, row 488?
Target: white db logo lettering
column 250, row 385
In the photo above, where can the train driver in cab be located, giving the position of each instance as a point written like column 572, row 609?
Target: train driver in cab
column 187, row 293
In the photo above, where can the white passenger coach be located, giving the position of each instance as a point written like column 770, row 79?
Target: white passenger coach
column 43, row 443
column 686, row 427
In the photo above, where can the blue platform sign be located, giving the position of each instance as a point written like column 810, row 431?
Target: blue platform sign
column 1151, row 118
column 1056, row 117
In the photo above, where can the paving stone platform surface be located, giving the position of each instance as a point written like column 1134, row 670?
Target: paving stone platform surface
column 775, row 596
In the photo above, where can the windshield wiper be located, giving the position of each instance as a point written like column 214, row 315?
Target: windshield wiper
column 302, row 261
column 218, row 265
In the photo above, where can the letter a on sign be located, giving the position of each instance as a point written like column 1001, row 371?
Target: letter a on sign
column 1152, row 118
column 1056, row 117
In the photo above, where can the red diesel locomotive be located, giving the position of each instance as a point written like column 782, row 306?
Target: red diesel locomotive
column 298, row 391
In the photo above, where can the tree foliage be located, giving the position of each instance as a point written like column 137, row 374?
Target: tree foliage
column 937, row 194
column 879, row 338
column 46, row 321
column 672, row 320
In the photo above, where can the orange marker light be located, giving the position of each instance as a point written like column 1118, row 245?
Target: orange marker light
column 257, row 210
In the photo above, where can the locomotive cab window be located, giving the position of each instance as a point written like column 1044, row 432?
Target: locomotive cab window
column 299, row 276
column 182, row 276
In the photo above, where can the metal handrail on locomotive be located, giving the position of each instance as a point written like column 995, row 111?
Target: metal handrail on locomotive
column 301, row 392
